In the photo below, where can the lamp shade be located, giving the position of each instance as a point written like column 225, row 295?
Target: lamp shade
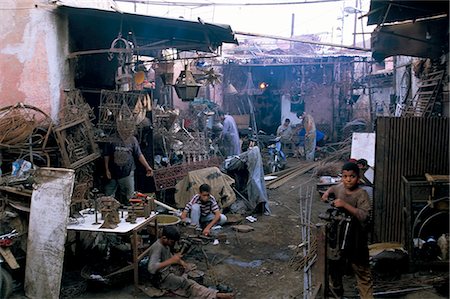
column 230, row 89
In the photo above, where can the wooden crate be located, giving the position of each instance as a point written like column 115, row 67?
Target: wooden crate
column 76, row 143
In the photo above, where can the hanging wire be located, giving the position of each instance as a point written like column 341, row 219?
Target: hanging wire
column 196, row 4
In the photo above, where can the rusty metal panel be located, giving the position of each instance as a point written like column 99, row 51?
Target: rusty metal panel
column 167, row 177
column 404, row 147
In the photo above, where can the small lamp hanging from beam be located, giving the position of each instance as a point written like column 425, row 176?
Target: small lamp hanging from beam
column 185, row 86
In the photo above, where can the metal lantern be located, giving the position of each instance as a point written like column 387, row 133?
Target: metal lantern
column 185, row 86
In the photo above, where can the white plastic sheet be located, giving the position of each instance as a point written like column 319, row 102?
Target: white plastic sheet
column 50, row 206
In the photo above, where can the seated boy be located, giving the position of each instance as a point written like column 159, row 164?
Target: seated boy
column 204, row 210
column 164, row 275
column 355, row 201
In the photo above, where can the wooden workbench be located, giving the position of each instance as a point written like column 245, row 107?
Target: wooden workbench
column 87, row 224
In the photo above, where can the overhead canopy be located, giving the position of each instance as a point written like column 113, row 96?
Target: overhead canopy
column 93, row 29
column 388, row 11
column 427, row 38
column 411, row 28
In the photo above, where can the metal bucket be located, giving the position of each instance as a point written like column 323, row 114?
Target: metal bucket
column 165, row 220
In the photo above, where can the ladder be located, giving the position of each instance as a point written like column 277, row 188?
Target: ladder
column 422, row 104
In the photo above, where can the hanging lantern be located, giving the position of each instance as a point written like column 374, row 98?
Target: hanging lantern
column 185, row 86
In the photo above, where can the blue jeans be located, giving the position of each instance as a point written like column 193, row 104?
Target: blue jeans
column 197, row 219
column 125, row 186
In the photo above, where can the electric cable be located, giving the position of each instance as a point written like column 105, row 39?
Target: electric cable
column 182, row 3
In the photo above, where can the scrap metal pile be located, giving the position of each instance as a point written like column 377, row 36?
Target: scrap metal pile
column 25, row 131
column 26, row 142
column 182, row 136
column 119, row 106
column 31, row 139
column 183, row 141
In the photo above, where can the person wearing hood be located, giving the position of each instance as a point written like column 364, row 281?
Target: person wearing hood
column 229, row 135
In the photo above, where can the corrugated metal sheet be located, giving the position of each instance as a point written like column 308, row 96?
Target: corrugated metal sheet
column 404, row 147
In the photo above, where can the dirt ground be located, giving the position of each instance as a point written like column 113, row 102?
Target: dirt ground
column 257, row 264
column 254, row 264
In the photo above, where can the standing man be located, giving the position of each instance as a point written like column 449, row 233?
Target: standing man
column 119, row 164
column 285, row 132
column 229, row 135
column 310, row 135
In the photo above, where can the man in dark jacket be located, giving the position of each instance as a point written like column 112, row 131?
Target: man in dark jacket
column 119, row 165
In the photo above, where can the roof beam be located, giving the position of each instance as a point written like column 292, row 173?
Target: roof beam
column 299, row 40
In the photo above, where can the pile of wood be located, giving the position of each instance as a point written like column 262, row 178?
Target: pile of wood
column 298, row 261
column 286, row 175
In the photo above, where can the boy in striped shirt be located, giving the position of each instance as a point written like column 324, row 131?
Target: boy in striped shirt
column 204, row 210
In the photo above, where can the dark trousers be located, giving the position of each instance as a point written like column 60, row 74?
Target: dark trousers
column 362, row 273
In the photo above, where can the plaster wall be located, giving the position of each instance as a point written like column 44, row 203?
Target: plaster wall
column 33, row 48
column 361, row 109
column 319, row 105
column 286, row 110
column 381, row 98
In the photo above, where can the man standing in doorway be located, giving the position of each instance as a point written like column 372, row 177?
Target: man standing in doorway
column 229, row 135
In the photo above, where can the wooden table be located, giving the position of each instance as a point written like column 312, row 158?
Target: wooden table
column 122, row 228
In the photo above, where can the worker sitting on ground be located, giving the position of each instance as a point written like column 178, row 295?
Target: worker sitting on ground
column 162, row 267
column 355, row 201
column 204, row 210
